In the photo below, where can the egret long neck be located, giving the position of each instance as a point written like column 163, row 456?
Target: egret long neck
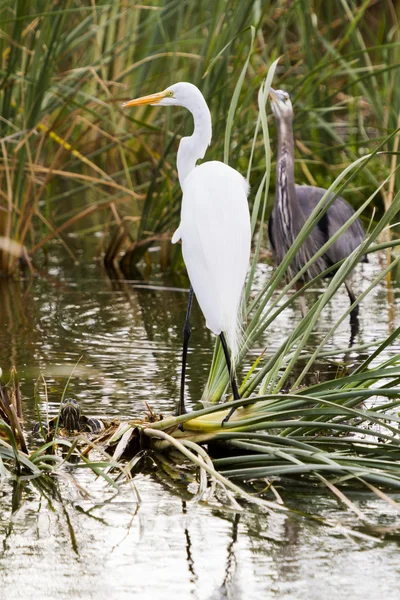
column 192, row 148
column 286, row 197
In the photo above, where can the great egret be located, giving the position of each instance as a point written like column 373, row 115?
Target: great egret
column 294, row 204
column 214, row 227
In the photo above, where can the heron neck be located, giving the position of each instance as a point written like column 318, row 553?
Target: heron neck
column 285, row 187
column 285, row 160
column 192, row 148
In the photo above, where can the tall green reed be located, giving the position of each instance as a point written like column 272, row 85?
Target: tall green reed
column 261, row 311
column 68, row 152
column 65, row 73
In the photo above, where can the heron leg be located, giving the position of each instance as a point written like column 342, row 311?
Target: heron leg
column 303, row 305
column 235, row 391
column 186, row 335
column 352, row 296
column 302, row 300
column 354, row 322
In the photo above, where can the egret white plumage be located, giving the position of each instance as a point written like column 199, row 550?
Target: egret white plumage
column 214, row 228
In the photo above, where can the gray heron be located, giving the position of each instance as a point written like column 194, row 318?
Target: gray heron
column 294, row 204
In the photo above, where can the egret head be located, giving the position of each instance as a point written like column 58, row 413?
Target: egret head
column 193, row 147
column 179, row 94
column 280, row 104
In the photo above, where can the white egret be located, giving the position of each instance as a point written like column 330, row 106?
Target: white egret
column 214, row 227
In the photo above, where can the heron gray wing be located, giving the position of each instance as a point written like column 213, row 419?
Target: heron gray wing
column 335, row 217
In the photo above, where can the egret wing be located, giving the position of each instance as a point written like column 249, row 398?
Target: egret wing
column 215, row 232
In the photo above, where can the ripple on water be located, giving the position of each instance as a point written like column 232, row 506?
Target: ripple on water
column 128, row 343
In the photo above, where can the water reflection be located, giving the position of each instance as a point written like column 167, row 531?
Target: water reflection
column 128, row 336
column 65, row 540
column 87, row 547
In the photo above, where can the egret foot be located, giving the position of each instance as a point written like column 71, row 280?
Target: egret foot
column 228, row 416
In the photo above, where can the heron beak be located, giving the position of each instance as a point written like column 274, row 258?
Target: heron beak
column 273, row 95
column 151, row 99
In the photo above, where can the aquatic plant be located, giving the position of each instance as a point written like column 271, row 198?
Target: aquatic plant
column 342, row 434
column 294, row 429
column 329, row 433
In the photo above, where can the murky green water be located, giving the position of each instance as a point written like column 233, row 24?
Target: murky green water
column 59, row 542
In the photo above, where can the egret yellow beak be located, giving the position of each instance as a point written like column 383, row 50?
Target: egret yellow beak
column 273, row 95
column 151, row 99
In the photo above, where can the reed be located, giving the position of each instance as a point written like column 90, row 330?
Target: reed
column 65, row 149
column 261, row 309
column 68, row 152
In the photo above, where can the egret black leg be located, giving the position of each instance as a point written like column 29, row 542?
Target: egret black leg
column 236, row 395
column 186, row 336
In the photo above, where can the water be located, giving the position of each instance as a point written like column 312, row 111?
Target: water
column 78, row 540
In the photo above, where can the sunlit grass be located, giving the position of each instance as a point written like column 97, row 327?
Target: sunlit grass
column 65, row 73
column 68, row 151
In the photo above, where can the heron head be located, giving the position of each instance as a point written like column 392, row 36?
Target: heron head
column 280, row 104
column 179, row 94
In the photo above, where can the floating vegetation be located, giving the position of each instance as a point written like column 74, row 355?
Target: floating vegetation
column 330, row 434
